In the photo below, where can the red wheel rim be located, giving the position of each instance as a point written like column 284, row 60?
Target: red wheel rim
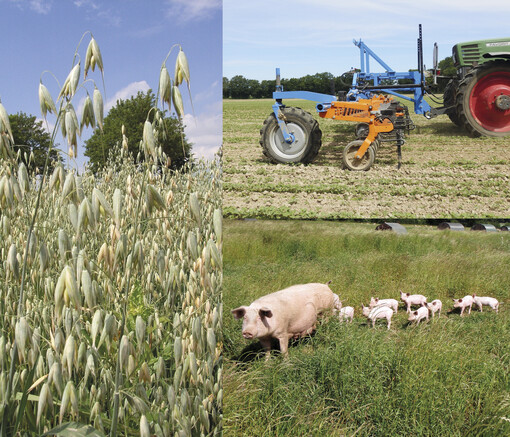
column 482, row 101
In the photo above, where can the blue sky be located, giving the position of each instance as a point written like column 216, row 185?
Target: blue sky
column 134, row 37
column 306, row 37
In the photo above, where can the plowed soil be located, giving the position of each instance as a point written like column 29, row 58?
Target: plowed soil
column 445, row 173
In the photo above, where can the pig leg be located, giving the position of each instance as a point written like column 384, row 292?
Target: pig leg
column 469, row 312
column 461, row 311
column 497, row 307
column 389, row 321
column 284, row 345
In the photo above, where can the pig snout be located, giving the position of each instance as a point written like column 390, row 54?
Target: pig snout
column 248, row 334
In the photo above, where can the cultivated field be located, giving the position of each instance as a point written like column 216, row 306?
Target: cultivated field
column 445, row 173
column 447, row 377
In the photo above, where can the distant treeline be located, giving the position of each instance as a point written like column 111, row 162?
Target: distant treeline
column 240, row 87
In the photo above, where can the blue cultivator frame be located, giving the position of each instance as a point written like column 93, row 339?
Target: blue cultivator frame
column 387, row 82
column 363, row 88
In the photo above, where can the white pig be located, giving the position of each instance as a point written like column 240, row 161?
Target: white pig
column 434, row 306
column 288, row 313
column 346, row 313
column 392, row 303
column 486, row 300
column 418, row 315
column 413, row 299
column 378, row 312
column 463, row 303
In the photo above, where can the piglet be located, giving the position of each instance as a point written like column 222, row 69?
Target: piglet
column 378, row 312
column 346, row 313
column 413, row 299
column 485, row 300
column 392, row 303
column 463, row 303
column 434, row 306
column 418, row 315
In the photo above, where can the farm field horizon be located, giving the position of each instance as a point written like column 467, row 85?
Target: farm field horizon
column 445, row 173
column 448, row 376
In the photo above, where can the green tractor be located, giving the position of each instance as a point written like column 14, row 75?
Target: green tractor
column 478, row 99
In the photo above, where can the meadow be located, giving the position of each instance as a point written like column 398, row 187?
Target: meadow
column 445, row 173
column 447, row 377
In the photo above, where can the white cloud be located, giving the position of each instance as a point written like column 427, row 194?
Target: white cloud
column 186, row 10
column 38, row 6
column 204, row 131
column 127, row 92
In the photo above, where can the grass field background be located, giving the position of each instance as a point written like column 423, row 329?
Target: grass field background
column 447, row 377
column 445, row 173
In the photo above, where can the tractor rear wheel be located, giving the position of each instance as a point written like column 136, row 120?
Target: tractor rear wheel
column 449, row 99
column 306, row 132
column 354, row 164
column 483, row 100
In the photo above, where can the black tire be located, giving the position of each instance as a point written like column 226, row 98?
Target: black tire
column 301, row 124
column 449, row 99
column 362, row 131
column 484, row 118
column 353, row 164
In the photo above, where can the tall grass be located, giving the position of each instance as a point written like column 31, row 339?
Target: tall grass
column 447, row 377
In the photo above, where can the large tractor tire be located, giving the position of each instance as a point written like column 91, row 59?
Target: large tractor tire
column 449, row 99
column 483, row 100
column 307, row 137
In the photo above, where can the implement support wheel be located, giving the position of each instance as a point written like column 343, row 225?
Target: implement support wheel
column 307, row 137
column 354, row 164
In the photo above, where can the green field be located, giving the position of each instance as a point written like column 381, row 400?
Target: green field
column 445, row 173
column 447, row 377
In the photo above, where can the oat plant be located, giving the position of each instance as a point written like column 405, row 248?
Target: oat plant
column 110, row 285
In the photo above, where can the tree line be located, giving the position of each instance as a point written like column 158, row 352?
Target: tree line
column 239, row 87
column 30, row 137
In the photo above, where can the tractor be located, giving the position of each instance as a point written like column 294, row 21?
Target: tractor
column 477, row 99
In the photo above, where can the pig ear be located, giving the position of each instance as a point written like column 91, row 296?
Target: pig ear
column 265, row 312
column 239, row 312
column 407, row 294
column 460, row 300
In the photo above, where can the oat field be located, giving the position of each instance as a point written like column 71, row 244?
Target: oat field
column 110, row 282
column 445, row 173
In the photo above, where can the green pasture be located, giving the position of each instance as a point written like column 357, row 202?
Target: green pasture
column 447, row 377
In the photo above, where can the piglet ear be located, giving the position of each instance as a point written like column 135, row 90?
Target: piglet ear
column 265, row 312
column 407, row 294
column 460, row 300
column 239, row 312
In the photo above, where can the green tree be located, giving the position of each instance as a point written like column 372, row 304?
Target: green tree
column 239, row 87
column 132, row 113
column 446, row 67
column 30, row 137
column 226, row 88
